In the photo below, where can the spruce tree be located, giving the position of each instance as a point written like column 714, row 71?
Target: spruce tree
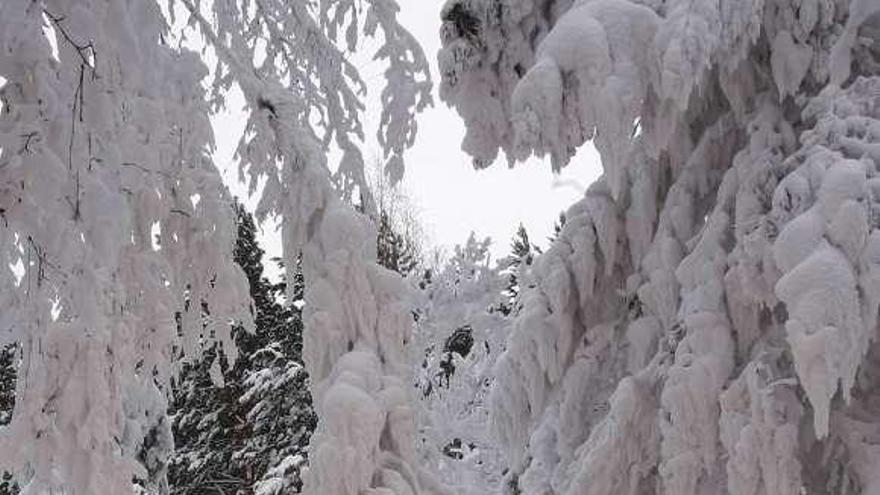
column 276, row 403
column 7, row 383
column 522, row 255
column 395, row 250
column 244, row 429
column 399, row 236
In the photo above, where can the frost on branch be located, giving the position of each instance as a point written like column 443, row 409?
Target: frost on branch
column 706, row 321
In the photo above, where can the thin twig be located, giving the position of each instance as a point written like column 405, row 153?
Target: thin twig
column 81, row 50
column 27, row 141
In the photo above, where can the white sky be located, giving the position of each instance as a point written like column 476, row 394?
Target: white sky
column 455, row 199
column 451, row 198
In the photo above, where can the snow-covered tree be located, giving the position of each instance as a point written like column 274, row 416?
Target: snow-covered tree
column 394, row 250
column 706, row 321
column 458, row 337
column 234, row 424
column 516, row 268
column 302, row 94
column 114, row 215
column 400, row 240
column 7, row 382
column 205, row 426
column 276, row 403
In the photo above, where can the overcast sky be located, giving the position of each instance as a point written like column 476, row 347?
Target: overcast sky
column 451, row 198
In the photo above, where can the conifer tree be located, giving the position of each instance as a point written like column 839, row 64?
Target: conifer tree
column 522, row 255
column 399, row 238
column 395, row 250
column 7, row 383
column 244, row 426
column 276, row 404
